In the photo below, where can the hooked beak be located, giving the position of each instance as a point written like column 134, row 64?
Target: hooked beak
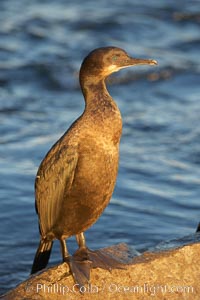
column 128, row 62
column 138, row 61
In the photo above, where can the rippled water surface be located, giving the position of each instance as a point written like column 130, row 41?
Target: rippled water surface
column 42, row 44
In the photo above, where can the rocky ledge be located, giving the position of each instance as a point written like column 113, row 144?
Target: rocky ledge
column 169, row 271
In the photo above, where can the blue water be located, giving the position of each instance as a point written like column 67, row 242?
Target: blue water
column 158, row 187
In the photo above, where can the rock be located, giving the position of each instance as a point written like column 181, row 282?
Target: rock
column 169, row 271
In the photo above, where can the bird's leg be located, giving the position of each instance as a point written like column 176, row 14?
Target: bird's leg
column 82, row 251
column 66, row 258
column 81, row 240
column 65, row 253
column 78, row 265
column 97, row 258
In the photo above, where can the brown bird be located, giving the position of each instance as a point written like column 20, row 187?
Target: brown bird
column 76, row 179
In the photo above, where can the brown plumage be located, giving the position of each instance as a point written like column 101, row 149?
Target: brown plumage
column 76, row 179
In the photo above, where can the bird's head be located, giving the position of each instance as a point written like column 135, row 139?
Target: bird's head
column 104, row 61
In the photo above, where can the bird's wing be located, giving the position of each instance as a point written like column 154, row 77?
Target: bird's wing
column 53, row 180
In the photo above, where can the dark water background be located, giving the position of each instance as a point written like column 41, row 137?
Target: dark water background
column 42, row 45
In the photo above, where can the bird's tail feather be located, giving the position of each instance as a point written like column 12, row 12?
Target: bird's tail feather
column 42, row 256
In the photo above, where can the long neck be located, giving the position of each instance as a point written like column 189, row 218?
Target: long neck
column 101, row 109
column 96, row 94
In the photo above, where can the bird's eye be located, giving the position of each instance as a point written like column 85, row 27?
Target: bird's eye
column 114, row 57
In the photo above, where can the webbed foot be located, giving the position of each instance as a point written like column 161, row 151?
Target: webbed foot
column 80, row 267
column 97, row 259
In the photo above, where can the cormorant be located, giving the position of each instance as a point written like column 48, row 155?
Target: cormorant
column 76, row 179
